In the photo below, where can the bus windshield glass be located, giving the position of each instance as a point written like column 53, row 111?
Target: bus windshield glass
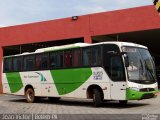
column 141, row 67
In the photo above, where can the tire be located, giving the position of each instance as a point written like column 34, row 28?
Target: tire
column 53, row 99
column 123, row 102
column 30, row 95
column 97, row 98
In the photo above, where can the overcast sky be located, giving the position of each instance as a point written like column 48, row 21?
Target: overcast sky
column 13, row 12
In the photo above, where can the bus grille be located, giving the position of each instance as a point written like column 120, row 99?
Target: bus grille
column 147, row 96
column 147, row 89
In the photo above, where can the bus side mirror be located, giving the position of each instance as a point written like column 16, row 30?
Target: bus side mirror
column 126, row 60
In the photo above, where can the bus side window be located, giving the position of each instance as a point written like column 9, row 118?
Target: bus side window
column 96, row 56
column 38, row 62
column 56, row 60
column 17, row 64
column 68, row 58
column 59, row 61
column 7, row 65
column 44, row 58
column 52, row 61
column 76, row 58
column 29, row 63
column 87, row 56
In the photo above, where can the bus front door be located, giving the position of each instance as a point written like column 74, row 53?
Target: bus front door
column 118, row 90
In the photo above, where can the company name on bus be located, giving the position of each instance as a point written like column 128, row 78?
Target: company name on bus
column 30, row 76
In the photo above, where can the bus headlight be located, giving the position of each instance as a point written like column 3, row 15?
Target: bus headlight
column 134, row 88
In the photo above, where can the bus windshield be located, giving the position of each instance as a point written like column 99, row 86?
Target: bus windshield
column 141, row 67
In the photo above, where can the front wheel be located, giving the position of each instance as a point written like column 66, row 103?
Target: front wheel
column 97, row 98
column 30, row 95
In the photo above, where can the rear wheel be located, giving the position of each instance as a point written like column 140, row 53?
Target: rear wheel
column 97, row 98
column 30, row 95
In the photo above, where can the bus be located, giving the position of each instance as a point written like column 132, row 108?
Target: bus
column 99, row 71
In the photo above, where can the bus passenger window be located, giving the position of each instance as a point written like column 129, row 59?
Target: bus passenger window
column 96, row 56
column 17, row 63
column 29, row 63
column 44, row 58
column 56, row 60
column 68, row 58
column 87, row 56
column 76, row 58
column 38, row 62
column 59, row 60
column 8, row 65
column 52, row 60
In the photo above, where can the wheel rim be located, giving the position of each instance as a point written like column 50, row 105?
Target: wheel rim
column 94, row 97
column 30, row 96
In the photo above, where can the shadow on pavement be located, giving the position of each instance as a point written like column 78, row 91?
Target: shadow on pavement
column 81, row 103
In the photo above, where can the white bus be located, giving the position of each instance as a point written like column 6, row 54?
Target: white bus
column 103, row 71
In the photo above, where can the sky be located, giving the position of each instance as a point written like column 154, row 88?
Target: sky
column 14, row 12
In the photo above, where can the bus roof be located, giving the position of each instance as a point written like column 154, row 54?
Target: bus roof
column 78, row 45
column 62, row 47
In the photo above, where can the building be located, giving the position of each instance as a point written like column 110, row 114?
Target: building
column 140, row 25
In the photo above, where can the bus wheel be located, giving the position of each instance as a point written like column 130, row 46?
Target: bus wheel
column 123, row 102
column 53, row 99
column 97, row 98
column 30, row 95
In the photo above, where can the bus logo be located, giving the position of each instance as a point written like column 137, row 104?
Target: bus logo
column 42, row 77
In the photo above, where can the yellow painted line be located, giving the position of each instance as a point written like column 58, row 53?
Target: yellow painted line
column 157, row 5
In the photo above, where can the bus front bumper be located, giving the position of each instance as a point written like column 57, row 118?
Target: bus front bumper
column 137, row 95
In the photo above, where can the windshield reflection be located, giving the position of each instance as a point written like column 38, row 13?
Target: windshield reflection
column 141, row 65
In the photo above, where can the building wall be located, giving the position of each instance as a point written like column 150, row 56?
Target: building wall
column 120, row 21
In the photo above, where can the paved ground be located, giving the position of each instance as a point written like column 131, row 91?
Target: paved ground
column 16, row 104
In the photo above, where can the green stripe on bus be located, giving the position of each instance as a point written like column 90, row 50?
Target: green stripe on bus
column 68, row 80
column 14, row 81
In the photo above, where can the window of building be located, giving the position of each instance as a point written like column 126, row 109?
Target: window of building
column 76, row 58
column 17, row 64
column 29, row 63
